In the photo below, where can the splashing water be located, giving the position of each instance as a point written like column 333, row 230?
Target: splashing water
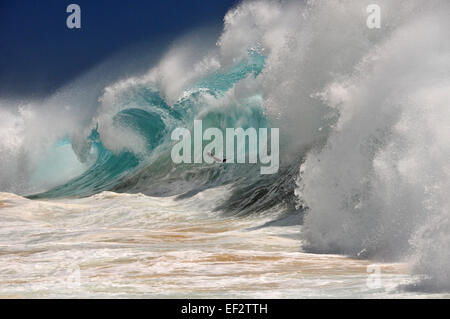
column 363, row 117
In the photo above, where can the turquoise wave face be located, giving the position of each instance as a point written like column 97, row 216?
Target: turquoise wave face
column 103, row 174
column 220, row 83
column 153, row 121
column 60, row 164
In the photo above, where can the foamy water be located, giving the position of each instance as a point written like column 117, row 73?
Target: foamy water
column 120, row 245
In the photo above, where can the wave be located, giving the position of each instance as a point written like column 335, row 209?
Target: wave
column 132, row 143
column 363, row 116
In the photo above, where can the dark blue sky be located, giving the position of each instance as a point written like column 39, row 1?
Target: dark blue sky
column 38, row 53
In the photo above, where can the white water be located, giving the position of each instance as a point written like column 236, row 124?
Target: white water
column 375, row 106
column 119, row 245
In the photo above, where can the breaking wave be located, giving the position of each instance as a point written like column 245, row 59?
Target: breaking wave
column 363, row 116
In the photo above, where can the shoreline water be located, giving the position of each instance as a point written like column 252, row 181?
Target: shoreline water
column 132, row 245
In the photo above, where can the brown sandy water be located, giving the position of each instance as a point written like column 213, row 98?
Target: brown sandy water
column 120, row 245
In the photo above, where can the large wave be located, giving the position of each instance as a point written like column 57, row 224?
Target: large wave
column 364, row 112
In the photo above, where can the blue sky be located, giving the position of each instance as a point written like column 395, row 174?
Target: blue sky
column 38, row 53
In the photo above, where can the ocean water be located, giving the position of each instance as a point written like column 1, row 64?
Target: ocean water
column 135, row 246
column 92, row 204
